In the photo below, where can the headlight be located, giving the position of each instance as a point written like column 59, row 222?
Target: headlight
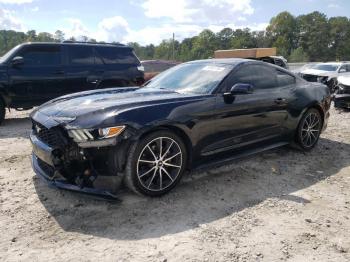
column 84, row 135
column 110, row 131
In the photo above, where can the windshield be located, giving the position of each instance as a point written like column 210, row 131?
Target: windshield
column 193, row 78
column 8, row 54
column 326, row 67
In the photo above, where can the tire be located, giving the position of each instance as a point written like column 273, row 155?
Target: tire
column 309, row 129
column 148, row 172
column 2, row 111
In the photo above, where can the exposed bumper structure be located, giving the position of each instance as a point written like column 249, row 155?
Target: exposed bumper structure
column 43, row 163
column 342, row 101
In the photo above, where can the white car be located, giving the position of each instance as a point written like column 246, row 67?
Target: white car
column 326, row 73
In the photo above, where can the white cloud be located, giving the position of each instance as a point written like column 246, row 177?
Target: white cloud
column 18, row 2
column 76, row 29
column 112, row 29
column 35, row 9
column 9, row 22
column 201, row 11
column 117, row 29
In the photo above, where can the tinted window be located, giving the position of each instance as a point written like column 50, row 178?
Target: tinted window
column 284, row 79
column 114, row 55
column 41, row 55
column 346, row 67
column 81, row 55
column 261, row 77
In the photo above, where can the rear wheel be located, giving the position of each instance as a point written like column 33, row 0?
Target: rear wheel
column 156, row 164
column 309, row 129
column 2, row 111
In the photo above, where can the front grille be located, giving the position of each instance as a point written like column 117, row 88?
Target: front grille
column 51, row 137
column 310, row 78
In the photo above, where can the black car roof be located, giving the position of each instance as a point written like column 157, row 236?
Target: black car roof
column 116, row 45
column 225, row 61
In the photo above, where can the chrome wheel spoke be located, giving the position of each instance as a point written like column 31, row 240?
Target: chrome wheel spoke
column 166, row 172
column 160, row 179
column 171, row 165
column 153, row 154
column 172, row 157
column 153, row 176
column 167, row 151
column 146, row 173
column 147, row 161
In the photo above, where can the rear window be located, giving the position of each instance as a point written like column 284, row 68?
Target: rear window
column 81, row 55
column 113, row 55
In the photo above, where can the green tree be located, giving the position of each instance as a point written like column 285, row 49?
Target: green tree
column 242, row 39
column 340, row 38
column 283, row 33
column 314, row 36
column 298, row 55
column 31, row 36
column 224, row 38
column 45, row 37
column 59, row 36
column 204, row 45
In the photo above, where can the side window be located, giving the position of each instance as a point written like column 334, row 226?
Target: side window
column 37, row 55
column 81, row 55
column 263, row 77
column 284, row 79
column 114, row 55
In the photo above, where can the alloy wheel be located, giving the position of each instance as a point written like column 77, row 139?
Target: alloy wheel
column 310, row 130
column 159, row 164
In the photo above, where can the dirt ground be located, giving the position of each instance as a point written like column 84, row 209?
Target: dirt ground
column 281, row 205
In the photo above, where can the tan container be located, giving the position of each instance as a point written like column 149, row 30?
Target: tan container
column 246, row 53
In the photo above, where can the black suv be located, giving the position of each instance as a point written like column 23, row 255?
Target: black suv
column 33, row 73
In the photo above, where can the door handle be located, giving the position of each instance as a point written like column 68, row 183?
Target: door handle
column 280, row 101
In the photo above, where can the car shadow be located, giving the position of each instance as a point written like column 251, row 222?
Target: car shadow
column 15, row 127
column 201, row 198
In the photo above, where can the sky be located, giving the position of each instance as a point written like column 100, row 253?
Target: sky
column 151, row 21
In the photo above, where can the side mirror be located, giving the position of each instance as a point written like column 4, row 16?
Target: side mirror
column 17, row 60
column 237, row 89
column 342, row 70
column 241, row 89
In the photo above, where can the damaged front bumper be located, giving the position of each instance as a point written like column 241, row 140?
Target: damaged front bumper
column 342, row 101
column 43, row 163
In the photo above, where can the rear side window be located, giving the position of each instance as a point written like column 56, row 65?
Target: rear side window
column 41, row 55
column 81, row 55
column 284, row 79
column 114, row 55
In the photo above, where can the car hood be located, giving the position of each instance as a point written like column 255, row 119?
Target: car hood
column 107, row 101
column 318, row 72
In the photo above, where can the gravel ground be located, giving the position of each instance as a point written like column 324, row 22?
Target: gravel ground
column 281, row 205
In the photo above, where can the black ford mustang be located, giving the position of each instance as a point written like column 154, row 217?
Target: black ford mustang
column 194, row 115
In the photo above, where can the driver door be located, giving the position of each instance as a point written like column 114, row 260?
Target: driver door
column 250, row 118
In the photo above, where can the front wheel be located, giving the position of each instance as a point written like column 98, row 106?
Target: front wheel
column 156, row 163
column 2, row 111
column 309, row 129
